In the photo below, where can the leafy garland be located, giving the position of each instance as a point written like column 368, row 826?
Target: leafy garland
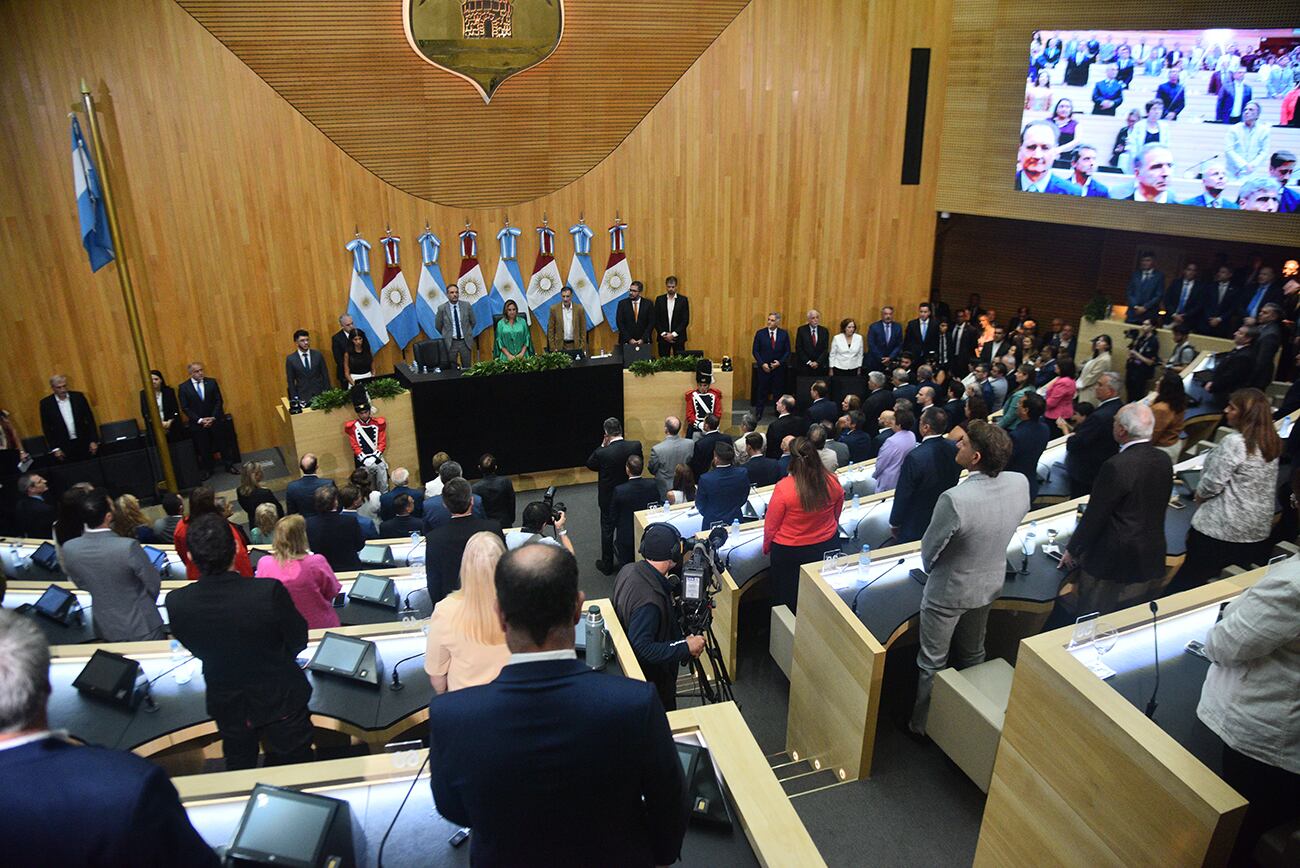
column 646, row 367
column 1096, row 309
column 380, row 387
column 525, row 365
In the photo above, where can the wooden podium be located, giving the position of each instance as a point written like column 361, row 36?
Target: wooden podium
column 321, row 432
column 647, row 400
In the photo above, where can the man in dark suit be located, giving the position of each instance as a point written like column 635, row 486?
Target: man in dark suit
column 884, row 342
column 404, row 521
column 927, row 472
column 922, row 334
column 497, row 492
column 672, row 319
column 634, row 317
column 1281, row 165
column 1093, row 442
column 722, row 491
column 857, row 438
column 1221, row 301
column 68, row 422
column 35, row 514
column 248, row 633
column 1064, row 341
column 300, row 495
column 1267, row 345
column 205, row 412
column 1264, row 290
column 546, row 703
column 1108, row 94
column 702, row 449
column 962, row 339
column 760, row 469
column 1120, row 540
column 904, row 388
column 1029, row 439
column 1077, row 67
column 388, row 500
column 1234, row 95
column 609, row 461
column 635, row 494
column 1039, row 143
column 342, row 341
column 879, row 399
column 1185, row 297
column 785, row 423
column 79, row 805
column 1145, row 286
column 812, row 347
column 304, row 369
column 1173, row 95
column 771, row 352
column 444, row 546
column 995, row 349
column 1083, row 166
column 822, row 409
column 1235, row 369
column 337, row 536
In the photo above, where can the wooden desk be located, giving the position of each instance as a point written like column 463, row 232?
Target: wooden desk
column 648, row 400
column 1115, row 327
column 321, row 432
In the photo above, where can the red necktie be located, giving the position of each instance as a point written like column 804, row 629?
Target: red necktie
column 814, row 337
column 772, row 335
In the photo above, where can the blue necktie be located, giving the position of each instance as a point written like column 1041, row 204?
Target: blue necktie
column 923, row 329
column 1182, row 302
column 1255, row 302
column 455, row 321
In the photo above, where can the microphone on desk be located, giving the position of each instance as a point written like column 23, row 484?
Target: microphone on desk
column 883, row 573
column 397, row 684
column 1155, row 642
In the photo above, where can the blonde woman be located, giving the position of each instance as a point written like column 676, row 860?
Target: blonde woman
column 467, row 646
column 264, row 519
column 129, row 521
column 307, row 577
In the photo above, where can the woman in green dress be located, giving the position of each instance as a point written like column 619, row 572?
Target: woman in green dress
column 514, row 340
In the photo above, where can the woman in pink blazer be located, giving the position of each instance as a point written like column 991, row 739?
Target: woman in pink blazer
column 1060, row 392
column 307, row 577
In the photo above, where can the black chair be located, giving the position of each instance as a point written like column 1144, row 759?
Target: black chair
column 35, row 445
column 432, row 354
column 124, row 429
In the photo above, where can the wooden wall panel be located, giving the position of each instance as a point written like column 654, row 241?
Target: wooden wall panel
column 767, row 178
column 985, row 93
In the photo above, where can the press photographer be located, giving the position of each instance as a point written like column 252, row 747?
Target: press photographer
column 643, row 600
column 539, row 516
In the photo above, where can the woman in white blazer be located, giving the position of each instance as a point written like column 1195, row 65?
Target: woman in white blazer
column 1093, row 369
column 846, row 349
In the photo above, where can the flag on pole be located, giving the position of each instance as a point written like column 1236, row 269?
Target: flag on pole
column 614, row 285
column 431, row 293
column 508, row 285
column 544, row 286
column 471, row 283
column 395, row 299
column 582, row 275
column 363, row 301
column 91, row 213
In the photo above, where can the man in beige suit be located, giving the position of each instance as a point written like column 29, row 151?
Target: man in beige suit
column 566, row 328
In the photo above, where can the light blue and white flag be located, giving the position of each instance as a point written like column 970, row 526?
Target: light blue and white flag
column 614, row 285
column 363, row 301
column 582, row 275
column 431, row 293
column 395, row 298
column 91, row 213
column 508, row 285
column 472, row 286
column 545, row 285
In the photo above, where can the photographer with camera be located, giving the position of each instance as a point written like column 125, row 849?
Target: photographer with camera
column 538, row 516
column 643, row 601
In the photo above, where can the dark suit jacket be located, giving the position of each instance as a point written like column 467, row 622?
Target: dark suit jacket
column 912, row 338
column 498, row 494
column 962, row 349
column 876, row 403
column 879, row 348
column 804, row 351
column 195, row 408
column 859, row 443
column 1273, row 294
column 634, row 328
column 765, row 351
column 387, row 501
column 1195, row 300
column 780, row 428
column 1076, row 71
column 56, row 433
column 299, row 494
column 632, row 495
column 824, row 410
column 401, row 525
column 1093, row 442
column 610, row 464
column 1174, row 96
column 702, row 453
column 1028, row 440
column 339, row 346
column 763, row 470
column 622, row 803
column 306, row 384
column 1224, row 308
column 1234, row 371
column 93, row 806
column 1143, row 292
column 1266, row 347
column 443, row 549
column 720, row 495
column 994, row 351
column 927, row 472
column 170, row 409
column 247, row 632
column 338, row 537
column 681, row 316
column 36, row 517
column 436, row 514
column 1227, row 96
column 1122, row 534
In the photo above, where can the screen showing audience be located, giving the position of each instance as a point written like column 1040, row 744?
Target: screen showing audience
column 1193, row 118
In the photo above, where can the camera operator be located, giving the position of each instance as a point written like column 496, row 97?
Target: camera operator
column 644, row 604
column 538, row 516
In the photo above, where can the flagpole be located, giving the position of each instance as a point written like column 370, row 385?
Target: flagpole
column 128, row 292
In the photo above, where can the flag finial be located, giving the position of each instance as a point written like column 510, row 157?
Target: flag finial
column 84, row 88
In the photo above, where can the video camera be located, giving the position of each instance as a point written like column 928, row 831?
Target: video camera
column 700, row 570
column 556, row 508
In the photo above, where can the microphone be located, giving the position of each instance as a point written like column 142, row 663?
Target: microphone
column 1190, row 171
column 397, row 684
column 883, row 573
column 1155, row 643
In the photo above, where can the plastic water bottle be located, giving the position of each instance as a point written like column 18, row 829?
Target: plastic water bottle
column 595, row 630
column 864, row 559
column 735, row 526
column 1027, row 548
column 857, row 501
column 183, row 670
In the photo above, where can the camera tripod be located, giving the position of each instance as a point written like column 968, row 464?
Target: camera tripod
column 717, row 688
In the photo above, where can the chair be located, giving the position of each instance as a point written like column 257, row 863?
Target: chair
column 432, row 354
column 123, row 429
column 967, row 709
column 1200, row 428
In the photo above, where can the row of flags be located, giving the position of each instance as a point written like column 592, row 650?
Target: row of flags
column 393, row 312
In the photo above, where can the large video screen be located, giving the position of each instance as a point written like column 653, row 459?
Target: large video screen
column 1196, row 118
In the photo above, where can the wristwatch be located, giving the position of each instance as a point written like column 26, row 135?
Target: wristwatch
column 564, row 532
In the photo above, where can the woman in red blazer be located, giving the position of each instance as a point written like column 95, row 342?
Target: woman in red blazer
column 802, row 521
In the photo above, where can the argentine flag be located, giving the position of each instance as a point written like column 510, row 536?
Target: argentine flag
column 582, row 275
column 472, row 286
column 508, row 284
column 614, row 285
column 544, row 286
column 395, row 299
column 363, row 301
column 431, row 293
column 91, row 212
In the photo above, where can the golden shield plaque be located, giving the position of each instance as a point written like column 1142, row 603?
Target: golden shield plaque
column 484, row 41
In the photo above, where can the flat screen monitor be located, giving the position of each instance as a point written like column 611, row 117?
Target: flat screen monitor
column 1162, row 118
column 339, row 654
column 376, row 554
column 55, row 602
column 373, row 589
column 283, row 827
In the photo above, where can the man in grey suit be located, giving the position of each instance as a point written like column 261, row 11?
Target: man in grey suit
column 455, row 320
column 665, row 455
column 964, row 552
column 305, row 370
column 123, row 584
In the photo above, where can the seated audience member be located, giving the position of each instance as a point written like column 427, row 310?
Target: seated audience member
column 497, row 493
column 637, row 493
column 537, row 518
column 404, row 521
column 927, row 472
column 1259, row 194
column 1214, row 179
column 173, row 511
column 122, row 582
column 135, row 816
column 35, row 514
column 1169, row 408
column 331, row 533
column 683, row 490
column 263, row 521
column 748, row 425
column 129, row 521
column 300, row 494
column 1083, row 166
column 786, row 424
column 248, row 633
column 889, row 460
column 445, row 544
column 204, row 500
column 466, row 645
column 398, row 480
column 802, row 520
column 436, row 513
column 251, row 492
column 1061, row 391
column 545, row 701
column 722, row 491
column 760, row 469
column 856, row 437
column 1120, row 541
column 1029, row 439
column 308, row 577
column 350, row 502
column 1093, row 441
column 702, row 449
